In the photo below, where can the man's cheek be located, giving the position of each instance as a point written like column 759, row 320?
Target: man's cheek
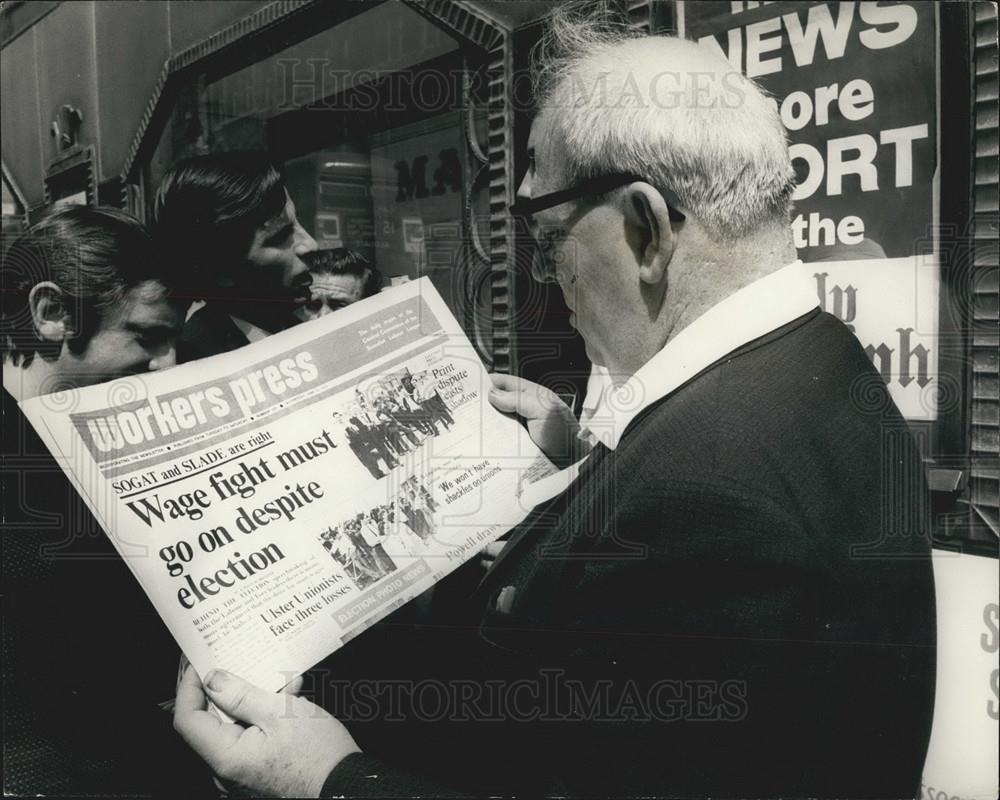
column 136, row 365
column 262, row 275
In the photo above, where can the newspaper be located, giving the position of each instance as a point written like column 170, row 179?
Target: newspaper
column 276, row 501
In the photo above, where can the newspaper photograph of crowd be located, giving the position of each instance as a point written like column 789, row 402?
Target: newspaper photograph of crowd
column 400, row 412
column 366, row 544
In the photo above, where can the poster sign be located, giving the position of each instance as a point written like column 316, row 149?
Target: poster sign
column 891, row 304
column 856, row 87
column 962, row 757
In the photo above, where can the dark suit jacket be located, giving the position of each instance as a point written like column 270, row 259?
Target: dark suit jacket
column 208, row 332
column 738, row 601
column 86, row 658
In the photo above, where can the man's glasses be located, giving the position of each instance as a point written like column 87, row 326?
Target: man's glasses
column 529, row 206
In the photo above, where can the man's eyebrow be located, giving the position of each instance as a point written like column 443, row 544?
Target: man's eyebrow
column 158, row 328
column 282, row 233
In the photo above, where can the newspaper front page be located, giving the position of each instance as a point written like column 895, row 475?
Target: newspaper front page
column 276, row 501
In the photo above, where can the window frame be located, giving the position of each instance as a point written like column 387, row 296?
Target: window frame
column 484, row 42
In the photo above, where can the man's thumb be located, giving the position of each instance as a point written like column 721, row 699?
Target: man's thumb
column 241, row 700
column 505, row 401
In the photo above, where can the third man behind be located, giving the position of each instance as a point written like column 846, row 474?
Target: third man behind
column 340, row 277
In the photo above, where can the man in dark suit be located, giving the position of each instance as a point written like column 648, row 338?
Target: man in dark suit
column 229, row 225
column 734, row 595
column 360, row 445
column 85, row 300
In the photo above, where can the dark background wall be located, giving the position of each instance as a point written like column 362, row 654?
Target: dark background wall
column 103, row 58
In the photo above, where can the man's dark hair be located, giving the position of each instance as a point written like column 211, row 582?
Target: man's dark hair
column 94, row 255
column 207, row 209
column 341, row 261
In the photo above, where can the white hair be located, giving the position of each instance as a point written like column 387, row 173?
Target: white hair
column 670, row 111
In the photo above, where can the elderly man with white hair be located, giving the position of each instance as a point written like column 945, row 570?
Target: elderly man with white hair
column 734, row 596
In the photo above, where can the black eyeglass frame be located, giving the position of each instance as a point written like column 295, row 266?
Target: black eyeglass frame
column 529, row 206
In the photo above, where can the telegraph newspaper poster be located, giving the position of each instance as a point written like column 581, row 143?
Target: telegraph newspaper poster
column 311, row 484
column 856, row 86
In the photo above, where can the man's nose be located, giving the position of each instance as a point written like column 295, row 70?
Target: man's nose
column 164, row 359
column 540, row 269
column 524, row 189
column 304, row 243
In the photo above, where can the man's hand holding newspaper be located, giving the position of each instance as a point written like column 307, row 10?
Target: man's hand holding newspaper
column 285, row 746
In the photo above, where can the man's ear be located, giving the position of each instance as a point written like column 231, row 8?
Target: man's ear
column 50, row 312
column 649, row 231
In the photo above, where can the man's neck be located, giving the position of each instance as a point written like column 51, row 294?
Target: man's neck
column 707, row 281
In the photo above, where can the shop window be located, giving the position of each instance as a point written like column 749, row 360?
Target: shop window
column 374, row 123
column 14, row 217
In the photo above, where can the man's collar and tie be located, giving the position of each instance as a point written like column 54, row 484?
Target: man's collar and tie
column 254, row 333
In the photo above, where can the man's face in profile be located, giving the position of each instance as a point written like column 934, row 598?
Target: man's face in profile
column 329, row 293
column 137, row 336
column 578, row 246
column 274, row 282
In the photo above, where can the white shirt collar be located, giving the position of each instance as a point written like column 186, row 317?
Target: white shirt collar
column 254, row 333
column 754, row 311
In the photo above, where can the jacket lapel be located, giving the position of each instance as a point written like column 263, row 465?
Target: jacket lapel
column 543, row 521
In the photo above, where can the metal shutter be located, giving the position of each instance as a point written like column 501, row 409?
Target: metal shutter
column 985, row 417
